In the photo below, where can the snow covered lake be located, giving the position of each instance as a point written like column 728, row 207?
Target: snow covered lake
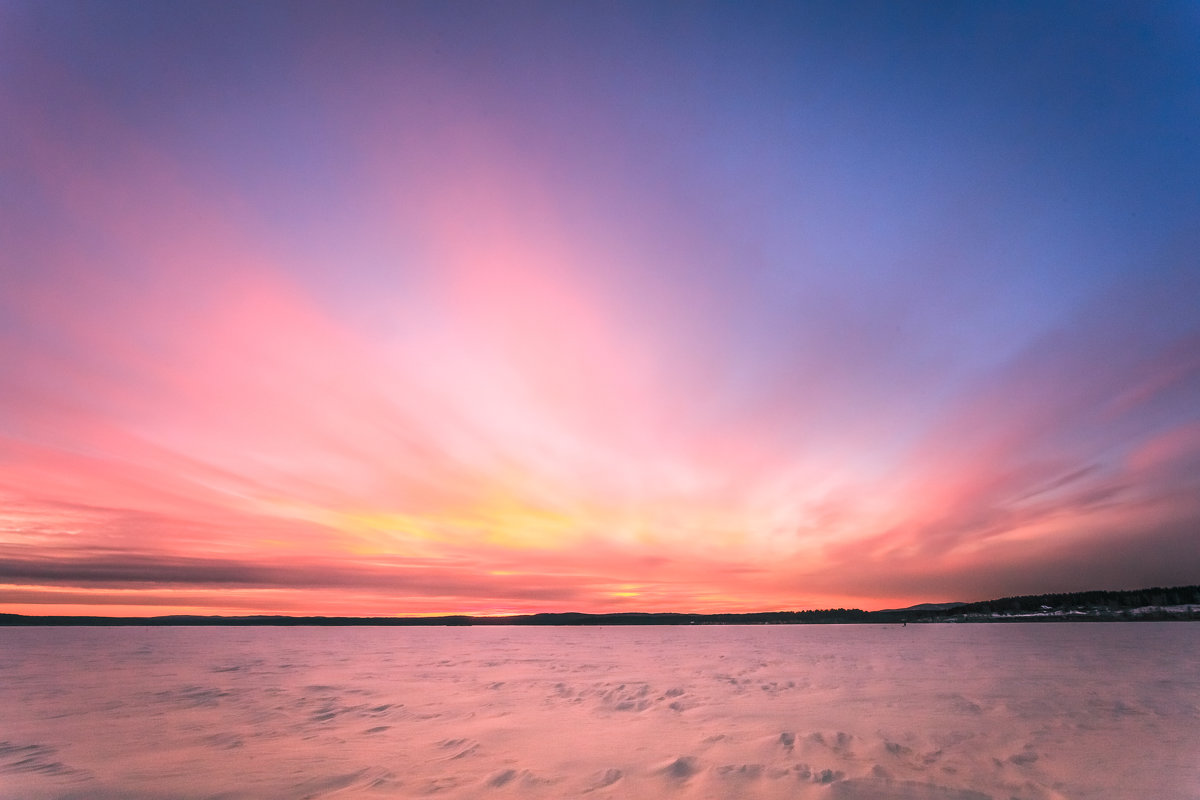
column 923, row 712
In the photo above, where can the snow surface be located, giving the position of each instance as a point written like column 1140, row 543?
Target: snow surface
column 857, row 712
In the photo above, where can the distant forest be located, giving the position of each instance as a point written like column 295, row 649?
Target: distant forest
column 1112, row 601
column 1177, row 603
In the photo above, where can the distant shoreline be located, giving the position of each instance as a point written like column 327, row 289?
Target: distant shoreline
column 601, row 620
column 1181, row 603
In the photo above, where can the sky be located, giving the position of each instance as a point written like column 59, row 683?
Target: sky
column 471, row 307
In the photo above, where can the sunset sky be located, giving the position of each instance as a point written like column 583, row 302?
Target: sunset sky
column 404, row 308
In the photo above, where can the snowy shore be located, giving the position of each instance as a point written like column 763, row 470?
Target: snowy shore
column 829, row 712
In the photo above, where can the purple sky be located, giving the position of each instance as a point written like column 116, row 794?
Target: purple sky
column 411, row 308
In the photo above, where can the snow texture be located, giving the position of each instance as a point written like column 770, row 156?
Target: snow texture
column 931, row 712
